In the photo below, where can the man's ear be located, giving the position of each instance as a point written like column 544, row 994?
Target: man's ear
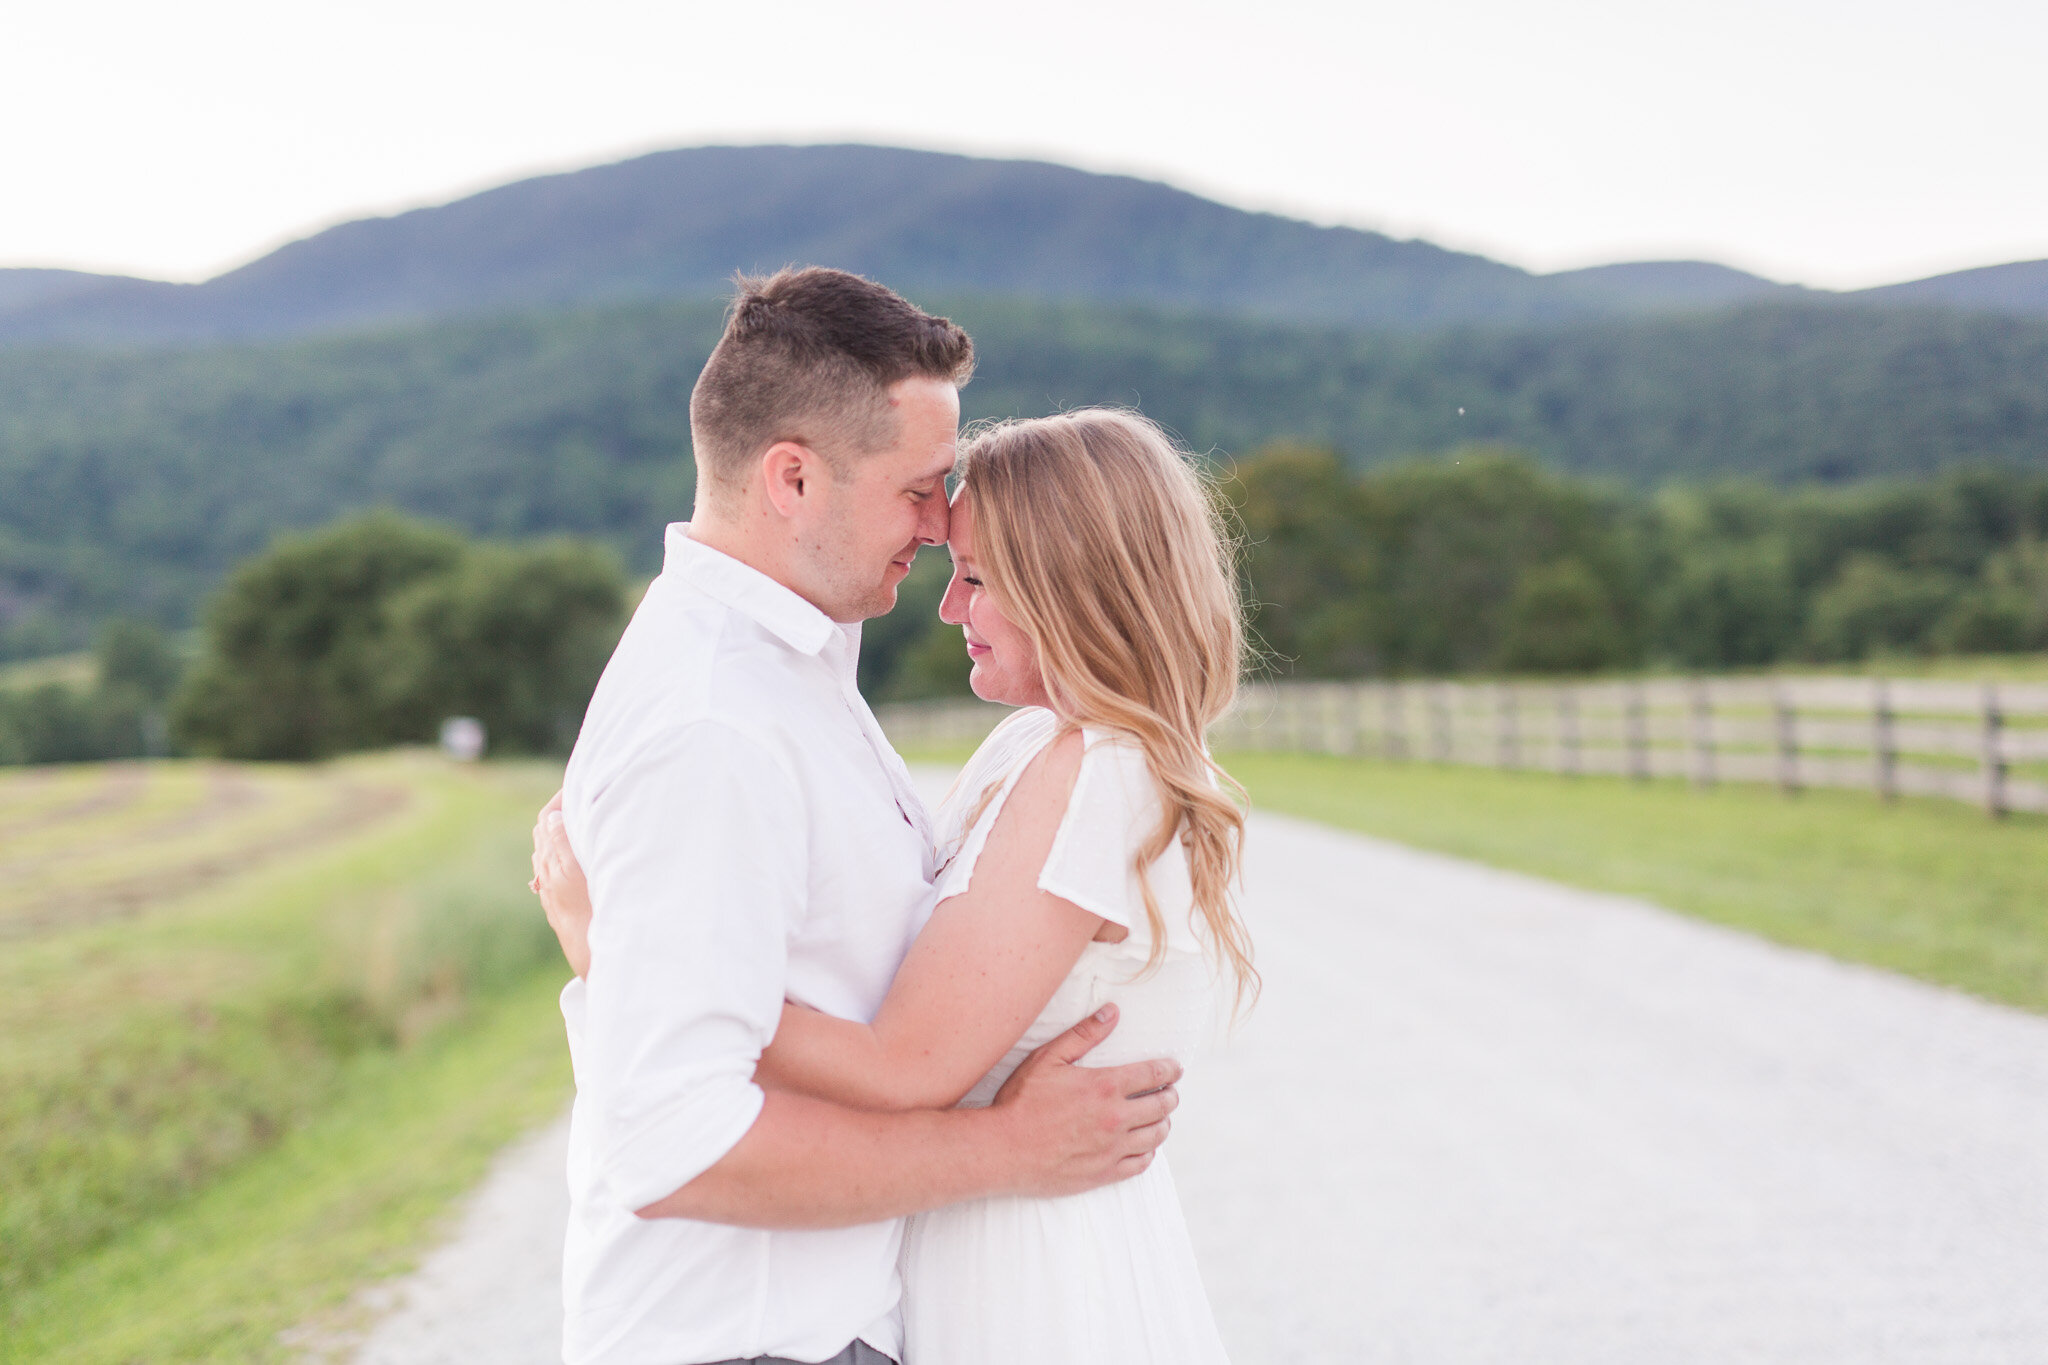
column 787, row 469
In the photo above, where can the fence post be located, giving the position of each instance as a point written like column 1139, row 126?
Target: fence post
column 1507, row 737
column 1702, row 734
column 1638, row 725
column 1568, row 730
column 1330, row 737
column 1359, row 693
column 1884, row 749
column 1994, row 753
column 1788, row 741
column 1393, row 723
column 1441, row 744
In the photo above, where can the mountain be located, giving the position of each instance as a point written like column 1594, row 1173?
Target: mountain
column 130, row 481
column 1637, row 286
column 677, row 224
column 23, row 288
column 2021, row 287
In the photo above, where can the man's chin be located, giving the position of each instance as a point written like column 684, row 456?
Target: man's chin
column 883, row 602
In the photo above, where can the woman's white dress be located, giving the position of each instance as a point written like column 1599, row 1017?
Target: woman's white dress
column 1107, row 1277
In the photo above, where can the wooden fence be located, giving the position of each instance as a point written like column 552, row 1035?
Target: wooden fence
column 1984, row 743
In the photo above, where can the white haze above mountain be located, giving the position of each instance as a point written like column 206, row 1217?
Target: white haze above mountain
column 1829, row 143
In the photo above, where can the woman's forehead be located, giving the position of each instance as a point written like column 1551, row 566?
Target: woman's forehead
column 960, row 528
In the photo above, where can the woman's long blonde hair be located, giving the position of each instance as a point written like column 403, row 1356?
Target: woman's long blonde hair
column 1098, row 537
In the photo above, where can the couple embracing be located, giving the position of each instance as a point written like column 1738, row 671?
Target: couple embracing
column 858, row 1082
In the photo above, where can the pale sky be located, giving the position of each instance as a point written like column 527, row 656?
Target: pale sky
column 1827, row 142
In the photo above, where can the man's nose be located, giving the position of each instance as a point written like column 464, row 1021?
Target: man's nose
column 937, row 523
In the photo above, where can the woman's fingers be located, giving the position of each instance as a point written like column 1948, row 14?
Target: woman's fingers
column 558, row 880
column 552, row 859
column 539, row 851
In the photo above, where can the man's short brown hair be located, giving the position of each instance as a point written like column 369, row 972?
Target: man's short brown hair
column 808, row 356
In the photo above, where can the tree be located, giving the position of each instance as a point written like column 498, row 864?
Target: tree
column 1312, row 587
column 375, row 630
column 1416, row 568
column 2006, row 611
column 296, row 641
column 137, row 655
column 1561, row 620
column 515, row 636
column 120, row 714
column 1729, row 605
column 1873, row 607
column 56, row 722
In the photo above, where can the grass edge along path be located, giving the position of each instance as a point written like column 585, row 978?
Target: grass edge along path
column 349, row 1199
column 1931, row 889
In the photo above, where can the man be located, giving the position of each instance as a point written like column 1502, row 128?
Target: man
column 749, row 835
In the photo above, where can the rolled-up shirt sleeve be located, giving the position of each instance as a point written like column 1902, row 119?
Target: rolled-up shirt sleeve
column 575, row 995
column 696, row 856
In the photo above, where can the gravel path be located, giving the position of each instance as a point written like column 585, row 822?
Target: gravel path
column 1484, row 1118
column 1480, row 1117
column 492, row 1294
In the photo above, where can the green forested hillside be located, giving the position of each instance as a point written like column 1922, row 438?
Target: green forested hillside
column 131, row 481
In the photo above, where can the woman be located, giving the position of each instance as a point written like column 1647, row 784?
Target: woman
column 1086, row 858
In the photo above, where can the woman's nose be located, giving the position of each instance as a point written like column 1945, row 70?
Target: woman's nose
column 953, row 606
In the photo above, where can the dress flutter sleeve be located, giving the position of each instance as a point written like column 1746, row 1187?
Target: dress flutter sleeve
column 1113, row 812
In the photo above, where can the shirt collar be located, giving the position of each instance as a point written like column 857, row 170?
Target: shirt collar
column 777, row 610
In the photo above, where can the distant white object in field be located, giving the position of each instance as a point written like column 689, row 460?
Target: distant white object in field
column 462, row 738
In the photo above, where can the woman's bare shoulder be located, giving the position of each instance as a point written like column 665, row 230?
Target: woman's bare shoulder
column 1043, row 790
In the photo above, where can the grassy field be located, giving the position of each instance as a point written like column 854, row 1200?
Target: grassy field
column 1930, row 888
column 257, row 1025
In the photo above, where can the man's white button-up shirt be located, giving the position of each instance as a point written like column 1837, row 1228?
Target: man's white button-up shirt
column 749, row 835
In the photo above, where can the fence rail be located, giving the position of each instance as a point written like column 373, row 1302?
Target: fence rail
column 1983, row 743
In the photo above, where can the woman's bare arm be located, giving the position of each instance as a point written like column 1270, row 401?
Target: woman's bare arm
column 977, row 976
column 807, row 1163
